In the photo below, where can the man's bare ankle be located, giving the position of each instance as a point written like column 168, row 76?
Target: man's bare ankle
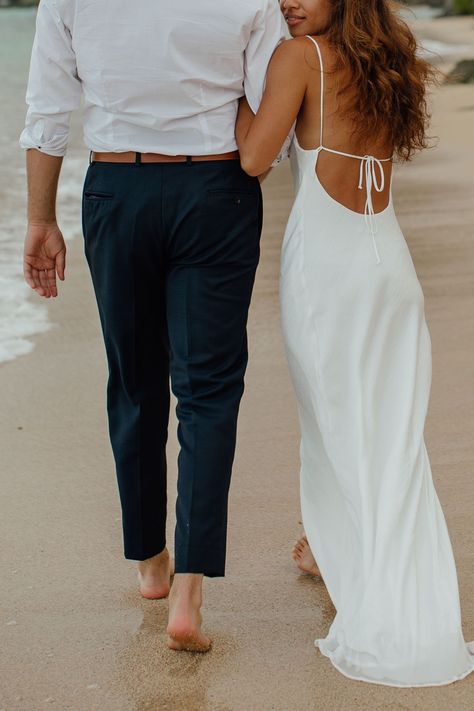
column 189, row 578
column 187, row 585
column 158, row 559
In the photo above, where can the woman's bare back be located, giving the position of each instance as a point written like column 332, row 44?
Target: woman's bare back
column 338, row 175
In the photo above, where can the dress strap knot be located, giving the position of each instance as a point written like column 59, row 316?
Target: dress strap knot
column 371, row 169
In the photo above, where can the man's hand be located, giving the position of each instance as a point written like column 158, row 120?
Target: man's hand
column 44, row 257
column 45, row 250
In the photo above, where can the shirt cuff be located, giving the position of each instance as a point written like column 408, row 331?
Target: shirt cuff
column 33, row 137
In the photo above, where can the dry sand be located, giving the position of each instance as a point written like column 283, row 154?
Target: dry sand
column 75, row 632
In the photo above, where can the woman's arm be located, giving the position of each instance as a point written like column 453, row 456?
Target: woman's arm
column 261, row 137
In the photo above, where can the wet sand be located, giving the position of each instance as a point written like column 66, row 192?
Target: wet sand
column 76, row 635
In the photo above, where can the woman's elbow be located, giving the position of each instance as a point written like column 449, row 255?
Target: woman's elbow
column 252, row 165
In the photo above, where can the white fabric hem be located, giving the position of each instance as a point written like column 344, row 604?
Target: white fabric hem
column 394, row 683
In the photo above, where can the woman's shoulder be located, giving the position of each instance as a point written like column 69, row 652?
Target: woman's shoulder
column 328, row 52
column 302, row 50
column 298, row 51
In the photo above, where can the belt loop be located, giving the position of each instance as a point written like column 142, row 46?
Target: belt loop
column 189, row 160
column 90, row 158
column 138, row 158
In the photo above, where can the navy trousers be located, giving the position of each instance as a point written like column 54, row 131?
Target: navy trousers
column 173, row 249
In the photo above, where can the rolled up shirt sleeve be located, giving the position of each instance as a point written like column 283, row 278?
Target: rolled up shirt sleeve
column 267, row 33
column 54, row 88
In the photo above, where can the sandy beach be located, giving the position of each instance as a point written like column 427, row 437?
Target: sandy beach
column 76, row 635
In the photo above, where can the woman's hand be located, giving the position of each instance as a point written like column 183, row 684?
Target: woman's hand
column 44, row 257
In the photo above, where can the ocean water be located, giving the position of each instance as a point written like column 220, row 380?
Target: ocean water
column 22, row 313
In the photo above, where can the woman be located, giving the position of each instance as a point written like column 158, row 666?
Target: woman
column 357, row 341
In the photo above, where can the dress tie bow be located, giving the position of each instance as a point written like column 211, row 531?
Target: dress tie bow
column 371, row 169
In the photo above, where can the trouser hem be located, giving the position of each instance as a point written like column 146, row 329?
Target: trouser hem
column 201, row 561
column 138, row 555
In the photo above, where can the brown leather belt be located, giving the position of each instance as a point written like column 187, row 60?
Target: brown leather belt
column 133, row 157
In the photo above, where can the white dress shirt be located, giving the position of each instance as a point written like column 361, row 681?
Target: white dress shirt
column 160, row 76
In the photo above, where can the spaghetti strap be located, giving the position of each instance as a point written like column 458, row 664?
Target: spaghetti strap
column 371, row 169
column 321, row 68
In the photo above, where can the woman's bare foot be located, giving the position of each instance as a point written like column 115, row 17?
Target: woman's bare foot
column 184, row 627
column 154, row 576
column 304, row 558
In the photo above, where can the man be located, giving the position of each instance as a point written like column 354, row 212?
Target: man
column 172, row 227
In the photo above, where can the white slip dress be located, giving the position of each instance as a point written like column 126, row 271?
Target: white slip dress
column 359, row 355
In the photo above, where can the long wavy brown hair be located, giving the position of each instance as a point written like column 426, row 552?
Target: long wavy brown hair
column 388, row 77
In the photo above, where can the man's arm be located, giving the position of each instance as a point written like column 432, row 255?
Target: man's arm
column 54, row 91
column 268, row 33
column 45, row 249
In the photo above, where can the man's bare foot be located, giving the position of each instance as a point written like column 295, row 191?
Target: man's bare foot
column 184, row 627
column 304, row 558
column 154, row 576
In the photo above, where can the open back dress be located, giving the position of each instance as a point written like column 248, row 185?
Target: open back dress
column 359, row 354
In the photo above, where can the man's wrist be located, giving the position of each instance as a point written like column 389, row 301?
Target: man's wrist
column 42, row 222
column 43, row 174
